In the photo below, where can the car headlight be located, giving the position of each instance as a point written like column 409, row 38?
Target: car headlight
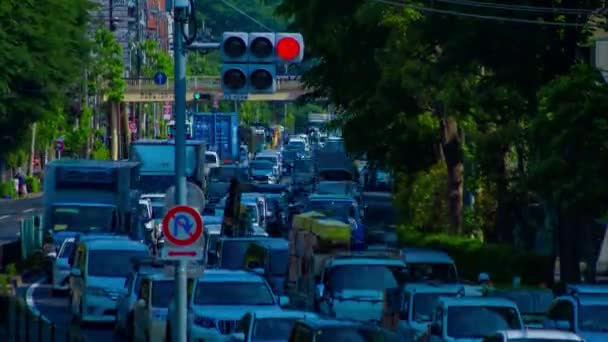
column 94, row 291
column 204, row 322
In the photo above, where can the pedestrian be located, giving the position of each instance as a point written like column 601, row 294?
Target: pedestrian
column 22, row 186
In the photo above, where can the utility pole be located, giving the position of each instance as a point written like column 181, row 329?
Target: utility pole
column 180, row 15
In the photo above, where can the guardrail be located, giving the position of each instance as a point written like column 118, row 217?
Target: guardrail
column 202, row 83
column 31, row 236
column 18, row 323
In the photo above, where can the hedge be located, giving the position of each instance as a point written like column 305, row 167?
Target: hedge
column 472, row 257
column 33, row 184
column 7, row 189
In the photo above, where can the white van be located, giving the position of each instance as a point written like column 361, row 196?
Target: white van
column 99, row 270
column 212, row 160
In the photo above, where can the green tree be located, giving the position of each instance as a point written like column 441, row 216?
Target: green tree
column 568, row 140
column 107, row 67
column 43, row 44
column 155, row 59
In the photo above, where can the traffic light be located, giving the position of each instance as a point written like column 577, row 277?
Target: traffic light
column 250, row 60
column 262, row 68
column 202, row 97
column 289, row 47
column 233, row 51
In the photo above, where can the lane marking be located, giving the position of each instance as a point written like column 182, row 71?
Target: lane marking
column 31, row 303
column 29, row 210
column 4, row 217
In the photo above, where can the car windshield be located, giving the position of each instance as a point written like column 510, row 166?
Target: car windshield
column 233, row 254
column 261, row 165
column 279, row 262
column 441, row 272
column 111, row 263
column 593, row 318
column 340, row 210
column 67, row 249
column 377, row 277
column 162, row 293
column 83, row 219
column 252, row 212
column 225, row 174
column 480, row 321
column 269, row 159
column 339, row 188
column 271, row 329
column 424, row 304
column 296, row 145
column 233, row 293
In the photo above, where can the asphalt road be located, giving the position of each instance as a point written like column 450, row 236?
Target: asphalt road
column 56, row 309
column 12, row 211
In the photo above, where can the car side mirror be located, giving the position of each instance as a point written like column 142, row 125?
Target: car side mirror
column 283, row 301
column 258, row 271
column 75, row 272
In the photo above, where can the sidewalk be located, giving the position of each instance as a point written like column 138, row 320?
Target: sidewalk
column 26, row 197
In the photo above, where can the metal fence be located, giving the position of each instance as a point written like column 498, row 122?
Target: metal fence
column 19, row 324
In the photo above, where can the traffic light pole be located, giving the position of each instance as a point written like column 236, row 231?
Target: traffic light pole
column 179, row 55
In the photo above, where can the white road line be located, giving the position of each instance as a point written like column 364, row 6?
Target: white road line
column 4, row 217
column 31, row 303
column 29, row 210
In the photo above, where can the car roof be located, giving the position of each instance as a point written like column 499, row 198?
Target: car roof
column 434, row 288
column 221, row 276
column 366, row 261
column 274, row 243
column 541, row 334
column 279, row 313
column 113, row 245
column 477, row 301
column 212, row 219
column 425, row 255
column 320, row 322
column 330, row 197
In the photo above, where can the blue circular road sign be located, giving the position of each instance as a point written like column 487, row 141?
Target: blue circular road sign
column 160, row 78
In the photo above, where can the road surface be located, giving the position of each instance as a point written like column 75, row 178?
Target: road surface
column 12, row 211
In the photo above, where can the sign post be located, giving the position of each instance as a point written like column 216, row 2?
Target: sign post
column 59, row 146
column 183, row 232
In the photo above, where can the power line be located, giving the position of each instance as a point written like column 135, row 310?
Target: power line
column 520, row 8
column 234, row 7
column 478, row 16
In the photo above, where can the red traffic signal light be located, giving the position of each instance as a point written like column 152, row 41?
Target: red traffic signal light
column 288, row 48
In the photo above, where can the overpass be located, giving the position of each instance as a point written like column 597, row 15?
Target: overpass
column 145, row 90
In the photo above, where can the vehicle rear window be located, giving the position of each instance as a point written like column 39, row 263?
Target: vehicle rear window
column 233, row 293
column 441, row 272
column 67, row 250
column 162, row 293
column 271, row 329
column 233, row 254
column 112, row 263
column 481, row 321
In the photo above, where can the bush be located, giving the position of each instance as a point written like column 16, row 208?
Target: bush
column 472, row 257
column 33, row 184
column 7, row 189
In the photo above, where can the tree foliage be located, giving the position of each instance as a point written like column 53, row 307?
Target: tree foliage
column 44, row 51
column 107, row 69
column 497, row 100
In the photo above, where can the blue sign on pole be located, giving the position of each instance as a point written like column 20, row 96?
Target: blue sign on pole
column 160, row 78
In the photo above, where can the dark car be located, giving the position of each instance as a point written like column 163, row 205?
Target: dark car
column 219, row 182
